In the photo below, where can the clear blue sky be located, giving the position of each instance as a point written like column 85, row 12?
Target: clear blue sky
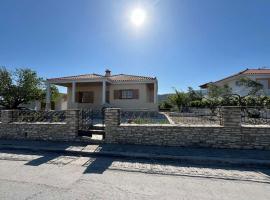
column 183, row 42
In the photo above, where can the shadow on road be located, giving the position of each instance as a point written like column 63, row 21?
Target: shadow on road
column 42, row 160
column 99, row 164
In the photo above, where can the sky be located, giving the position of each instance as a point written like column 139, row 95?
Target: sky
column 181, row 42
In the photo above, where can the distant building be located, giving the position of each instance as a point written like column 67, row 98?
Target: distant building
column 260, row 75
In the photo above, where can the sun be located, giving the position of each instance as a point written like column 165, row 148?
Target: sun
column 138, row 16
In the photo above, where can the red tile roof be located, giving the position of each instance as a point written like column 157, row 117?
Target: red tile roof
column 125, row 77
column 77, row 77
column 257, row 71
column 113, row 78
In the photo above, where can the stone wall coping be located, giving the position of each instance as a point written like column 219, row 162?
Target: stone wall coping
column 39, row 123
column 230, row 107
column 255, row 126
column 42, row 110
column 170, row 125
column 190, row 126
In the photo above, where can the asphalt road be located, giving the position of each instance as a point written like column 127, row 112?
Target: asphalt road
column 25, row 175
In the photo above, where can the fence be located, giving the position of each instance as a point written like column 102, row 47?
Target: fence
column 143, row 117
column 39, row 116
column 39, row 125
column 193, row 116
column 206, row 116
column 255, row 116
column 229, row 134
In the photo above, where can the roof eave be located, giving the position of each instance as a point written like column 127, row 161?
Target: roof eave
column 133, row 82
column 78, row 80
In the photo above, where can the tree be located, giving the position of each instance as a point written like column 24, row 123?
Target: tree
column 165, row 105
column 54, row 93
column 194, row 95
column 255, row 88
column 180, row 99
column 18, row 87
column 212, row 103
column 215, row 91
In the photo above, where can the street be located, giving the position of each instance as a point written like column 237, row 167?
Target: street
column 35, row 175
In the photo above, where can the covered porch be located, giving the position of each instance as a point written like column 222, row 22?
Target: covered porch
column 82, row 94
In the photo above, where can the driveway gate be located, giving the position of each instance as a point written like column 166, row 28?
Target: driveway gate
column 90, row 120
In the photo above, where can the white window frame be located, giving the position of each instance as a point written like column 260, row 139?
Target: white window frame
column 127, row 94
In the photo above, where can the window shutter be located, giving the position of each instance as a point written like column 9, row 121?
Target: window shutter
column 78, row 97
column 91, row 97
column 117, row 94
column 136, row 94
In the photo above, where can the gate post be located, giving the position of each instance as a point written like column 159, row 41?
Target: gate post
column 112, row 120
column 72, row 119
column 231, row 116
column 8, row 116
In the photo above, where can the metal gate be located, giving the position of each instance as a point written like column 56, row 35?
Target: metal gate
column 89, row 119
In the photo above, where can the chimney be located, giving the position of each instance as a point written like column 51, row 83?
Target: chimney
column 107, row 72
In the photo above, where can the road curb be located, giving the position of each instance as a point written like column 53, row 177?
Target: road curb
column 200, row 160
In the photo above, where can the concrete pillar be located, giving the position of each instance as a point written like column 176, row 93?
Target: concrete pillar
column 231, row 116
column 48, row 96
column 103, row 92
column 73, row 92
column 37, row 105
column 156, row 92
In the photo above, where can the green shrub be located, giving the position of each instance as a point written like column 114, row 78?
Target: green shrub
column 165, row 105
column 197, row 104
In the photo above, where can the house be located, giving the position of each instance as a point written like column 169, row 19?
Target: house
column 59, row 104
column 128, row 92
column 260, row 75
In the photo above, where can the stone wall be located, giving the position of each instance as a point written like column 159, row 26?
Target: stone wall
column 230, row 135
column 59, row 131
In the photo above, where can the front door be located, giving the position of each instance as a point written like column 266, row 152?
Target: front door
column 107, row 96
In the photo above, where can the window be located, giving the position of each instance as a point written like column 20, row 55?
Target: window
column 85, row 97
column 127, row 94
column 264, row 83
column 237, row 83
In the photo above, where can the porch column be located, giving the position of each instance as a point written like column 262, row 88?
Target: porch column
column 73, row 93
column 103, row 92
column 48, row 96
column 155, row 92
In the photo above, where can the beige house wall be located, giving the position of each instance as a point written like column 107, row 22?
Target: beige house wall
column 143, row 103
column 97, row 89
column 133, row 104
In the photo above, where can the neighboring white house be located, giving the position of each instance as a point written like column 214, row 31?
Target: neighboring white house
column 59, row 104
column 128, row 92
column 260, row 75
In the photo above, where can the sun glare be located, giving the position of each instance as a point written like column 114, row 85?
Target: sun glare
column 138, row 16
